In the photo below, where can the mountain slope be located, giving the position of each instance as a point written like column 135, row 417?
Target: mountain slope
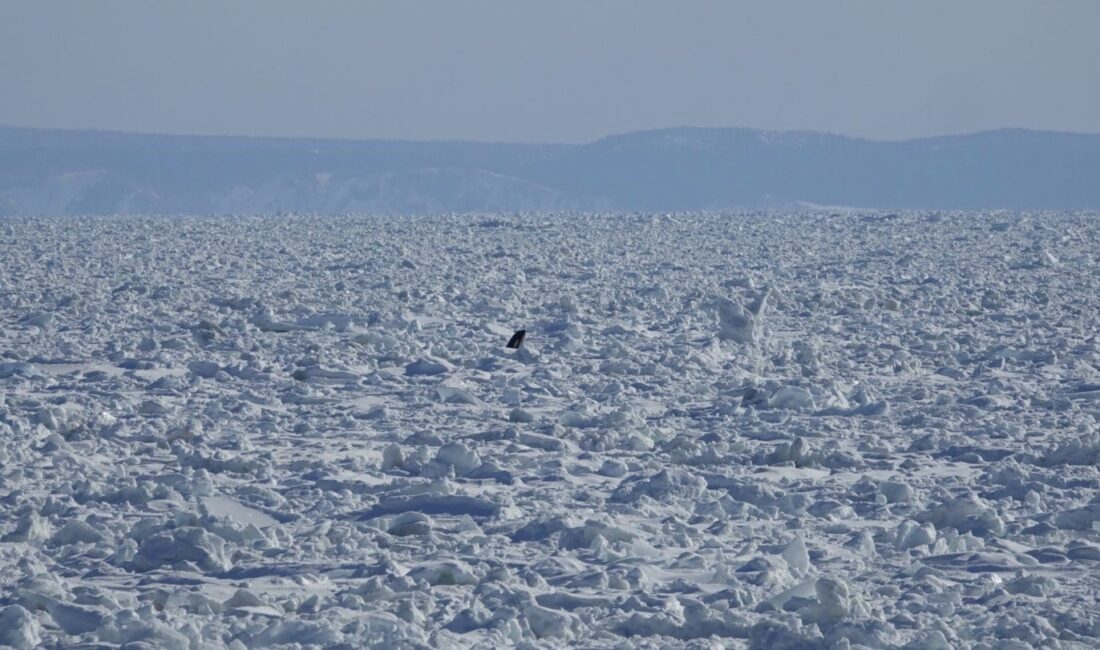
column 46, row 171
column 679, row 169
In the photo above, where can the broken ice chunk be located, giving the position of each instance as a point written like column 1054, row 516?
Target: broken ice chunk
column 797, row 557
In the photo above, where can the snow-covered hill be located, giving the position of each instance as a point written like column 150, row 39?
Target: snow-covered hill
column 79, row 172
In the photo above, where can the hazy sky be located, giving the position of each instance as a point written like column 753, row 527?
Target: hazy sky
column 549, row 71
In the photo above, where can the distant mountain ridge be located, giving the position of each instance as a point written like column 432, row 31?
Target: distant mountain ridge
column 55, row 172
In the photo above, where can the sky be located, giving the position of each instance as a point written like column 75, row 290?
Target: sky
column 560, row 71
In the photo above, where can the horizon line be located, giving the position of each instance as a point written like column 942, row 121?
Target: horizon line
column 308, row 138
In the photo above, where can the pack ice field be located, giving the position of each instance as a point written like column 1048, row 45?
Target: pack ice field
column 804, row 430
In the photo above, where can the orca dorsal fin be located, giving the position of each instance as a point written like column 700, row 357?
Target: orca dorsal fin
column 517, row 339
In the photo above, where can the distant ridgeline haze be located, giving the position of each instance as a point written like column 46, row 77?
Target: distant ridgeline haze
column 96, row 172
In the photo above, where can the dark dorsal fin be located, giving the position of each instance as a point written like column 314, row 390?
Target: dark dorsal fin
column 517, row 339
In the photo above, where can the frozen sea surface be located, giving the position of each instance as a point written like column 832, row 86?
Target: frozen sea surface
column 765, row 431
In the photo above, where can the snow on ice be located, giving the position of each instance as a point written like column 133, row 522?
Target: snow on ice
column 722, row 430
